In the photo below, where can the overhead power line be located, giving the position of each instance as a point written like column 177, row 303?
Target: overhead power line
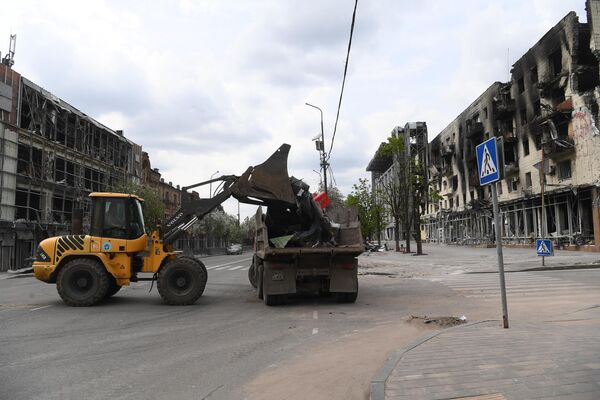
column 344, row 79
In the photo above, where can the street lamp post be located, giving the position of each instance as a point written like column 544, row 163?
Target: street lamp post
column 321, row 148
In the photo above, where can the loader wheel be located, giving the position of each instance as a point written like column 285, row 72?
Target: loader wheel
column 82, row 282
column 182, row 281
column 113, row 288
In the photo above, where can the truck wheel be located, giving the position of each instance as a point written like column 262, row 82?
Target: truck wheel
column 260, row 288
column 82, row 282
column 252, row 272
column 113, row 288
column 346, row 297
column 182, row 281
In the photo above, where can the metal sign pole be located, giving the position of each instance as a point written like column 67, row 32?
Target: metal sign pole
column 500, row 257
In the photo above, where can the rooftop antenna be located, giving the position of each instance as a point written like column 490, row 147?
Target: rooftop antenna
column 9, row 58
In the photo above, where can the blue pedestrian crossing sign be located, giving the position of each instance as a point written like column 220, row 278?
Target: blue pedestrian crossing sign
column 544, row 247
column 488, row 163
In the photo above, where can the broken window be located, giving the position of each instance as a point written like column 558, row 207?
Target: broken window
column 528, row 180
column 485, row 113
column 564, row 169
column 555, row 61
column 513, row 184
column 521, row 85
column 27, row 203
column 451, row 200
column 455, row 183
column 526, row 146
column 533, row 75
column 509, row 153
column 64, row 172
column 523, row 116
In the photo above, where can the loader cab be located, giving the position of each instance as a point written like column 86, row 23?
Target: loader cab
column 117, row 216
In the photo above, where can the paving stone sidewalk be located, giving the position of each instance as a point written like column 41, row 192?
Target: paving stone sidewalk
column 484, row 361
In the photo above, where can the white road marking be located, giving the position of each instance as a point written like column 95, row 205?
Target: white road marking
column 315, row 315
column 40, row 308
column 229, row 263
column 238, row 267
column 315, row 331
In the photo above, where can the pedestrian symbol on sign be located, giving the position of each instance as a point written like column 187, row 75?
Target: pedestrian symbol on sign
column 487, row 166
column 544, row 247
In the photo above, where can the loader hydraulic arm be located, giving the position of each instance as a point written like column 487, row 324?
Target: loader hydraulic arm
column 193, row 210
column 263, row 184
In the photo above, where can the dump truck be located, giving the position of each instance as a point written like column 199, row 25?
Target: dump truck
column 90, row 268
column 317, row 255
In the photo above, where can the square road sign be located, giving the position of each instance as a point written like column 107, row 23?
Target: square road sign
column 488, row 162
column 544, row 247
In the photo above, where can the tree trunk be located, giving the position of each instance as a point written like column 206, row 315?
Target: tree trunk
column 407, row 234
column 397, row 233
column 417, row 230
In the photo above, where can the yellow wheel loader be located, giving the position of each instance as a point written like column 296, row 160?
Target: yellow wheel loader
column 90, row 268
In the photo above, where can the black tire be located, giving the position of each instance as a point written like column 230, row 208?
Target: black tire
column 346, row 297
column 260, row 288
column 252, row 274
column 181, row 281
column 113, row 288
column 82, row 282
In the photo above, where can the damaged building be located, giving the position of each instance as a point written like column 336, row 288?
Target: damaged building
column 383, row 170
column 52, row 156
column 548, row 118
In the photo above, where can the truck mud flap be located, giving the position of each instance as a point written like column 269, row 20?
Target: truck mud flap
column 343, row 280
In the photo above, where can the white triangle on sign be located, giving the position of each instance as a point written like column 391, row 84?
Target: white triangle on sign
column 543, row 248
column 487, row 164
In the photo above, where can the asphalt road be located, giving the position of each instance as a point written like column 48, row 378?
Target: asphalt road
column 135, row 347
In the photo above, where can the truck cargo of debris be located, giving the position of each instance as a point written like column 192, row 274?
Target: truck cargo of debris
column 299, row 248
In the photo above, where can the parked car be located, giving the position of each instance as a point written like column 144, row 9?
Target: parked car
column 234, row 249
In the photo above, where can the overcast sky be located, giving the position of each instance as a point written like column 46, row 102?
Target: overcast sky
column 219, row 85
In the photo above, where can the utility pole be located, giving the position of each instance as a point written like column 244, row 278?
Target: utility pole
column 320, row 144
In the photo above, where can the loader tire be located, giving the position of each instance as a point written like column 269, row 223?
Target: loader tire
column 113, row 288
column 182, row 281
column 82, row 282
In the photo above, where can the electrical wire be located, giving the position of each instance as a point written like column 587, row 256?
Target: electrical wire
column 344, row 79
column 332, row 177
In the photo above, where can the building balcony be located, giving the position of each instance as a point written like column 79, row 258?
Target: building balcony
column 559, row 147
column 474, row 129
column 447, row 150
column 504, row 107
column 511, row 169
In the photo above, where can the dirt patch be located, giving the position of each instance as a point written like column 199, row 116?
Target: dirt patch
column 339, row 370
column 439, row 322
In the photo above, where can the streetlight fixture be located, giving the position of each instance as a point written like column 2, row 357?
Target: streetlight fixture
column 321, row 148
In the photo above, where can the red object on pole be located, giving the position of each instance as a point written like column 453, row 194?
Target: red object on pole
column 322, row 199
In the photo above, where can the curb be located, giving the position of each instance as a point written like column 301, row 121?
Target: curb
column 377, row 391
column 546, row 268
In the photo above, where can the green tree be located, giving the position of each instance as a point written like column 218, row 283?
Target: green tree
column 396, row 191
column 153, row 206
column 369, row 211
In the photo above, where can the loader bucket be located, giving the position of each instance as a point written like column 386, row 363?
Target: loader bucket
column 266, row 182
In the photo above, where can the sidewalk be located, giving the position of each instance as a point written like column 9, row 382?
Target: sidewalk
column 481, row 360
column 452, row 259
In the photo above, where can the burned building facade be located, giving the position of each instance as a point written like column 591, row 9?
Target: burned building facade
column 52, row 156
column 547, row 116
